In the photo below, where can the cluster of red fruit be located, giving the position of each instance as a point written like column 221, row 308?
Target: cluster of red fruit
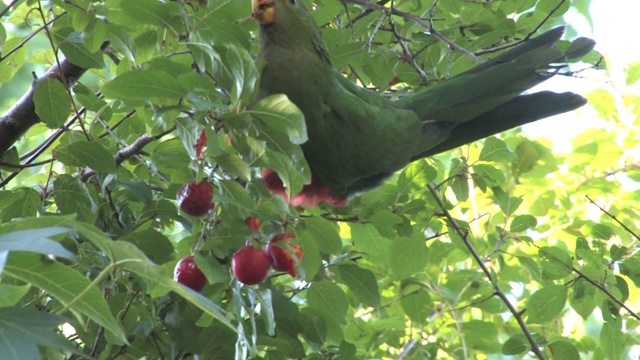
column 249, row 264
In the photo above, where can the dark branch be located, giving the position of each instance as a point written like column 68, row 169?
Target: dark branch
column 22, row 115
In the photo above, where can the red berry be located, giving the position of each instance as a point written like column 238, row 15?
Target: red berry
column 188, row 274
column 196, row 199
column 281, row 258
column 249, row 265
column 254, row 224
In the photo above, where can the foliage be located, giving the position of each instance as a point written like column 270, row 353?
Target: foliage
column 482, row 250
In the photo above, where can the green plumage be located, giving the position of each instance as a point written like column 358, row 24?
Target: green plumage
column 358, row 138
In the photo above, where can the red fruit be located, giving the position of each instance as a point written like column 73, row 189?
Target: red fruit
column 254, row 224
column 188, row 274
column 281, row 258
column 249, row 265
column 196, row 199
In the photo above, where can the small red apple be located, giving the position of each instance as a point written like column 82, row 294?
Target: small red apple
column 249, row 265
column 281, row 258
column 253, row 223
column 188, row 274
column 196, row 199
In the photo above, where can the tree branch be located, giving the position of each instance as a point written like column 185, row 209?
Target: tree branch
column 22, row 115
column 498, row 290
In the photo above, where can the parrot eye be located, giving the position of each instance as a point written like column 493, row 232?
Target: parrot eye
column 293, row 1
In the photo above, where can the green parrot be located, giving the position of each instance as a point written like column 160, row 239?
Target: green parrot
column 358, row 138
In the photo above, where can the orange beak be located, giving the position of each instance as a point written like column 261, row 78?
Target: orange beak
column 264, row 12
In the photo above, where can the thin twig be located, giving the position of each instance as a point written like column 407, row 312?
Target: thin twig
column 131, row 150
column 405, row 50
column 498, row 290
column 527, row 37
column 31, row 35
column 614, row 219
column 608, row 293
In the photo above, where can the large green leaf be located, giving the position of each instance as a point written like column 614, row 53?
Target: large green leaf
column 71, row 288
column 408, row 256
column 90, row 154
column 545, row 304
column 128, row 257
column 279, row 113
column 327, row 298
column 52, row 102
column 144, row 84
column 23, row 330
column 36, row 240
column 362, row 282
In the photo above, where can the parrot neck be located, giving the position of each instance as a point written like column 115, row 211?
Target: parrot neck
column 274, row 39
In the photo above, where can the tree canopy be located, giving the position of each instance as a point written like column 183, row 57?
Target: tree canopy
column 504, row 247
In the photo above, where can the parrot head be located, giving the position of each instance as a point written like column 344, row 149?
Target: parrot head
column 264, row 12
column 290, row 15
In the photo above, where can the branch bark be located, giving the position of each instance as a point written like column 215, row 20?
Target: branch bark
column 22, row 115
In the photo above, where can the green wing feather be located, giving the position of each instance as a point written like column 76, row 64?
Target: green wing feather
column 358, row 138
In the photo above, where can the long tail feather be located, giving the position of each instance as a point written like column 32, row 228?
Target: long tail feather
column 521, row 110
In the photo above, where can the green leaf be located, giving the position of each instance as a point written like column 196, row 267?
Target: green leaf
column 603, row 232
column 21, row 203
column 582, row 299
column 543, row 203
column 316, row 330
column 496, row 150
column 14, row 62
column 408, row 256
column 68, row 286
column 369, row 241
column 130, row 258
column 89, row 154
column 327, row 298
column 36, row 240
column 72, row 197
column 416, row 176
column 280, row 114
column 52, row 102
column 362, row 282
column 154, row 244
column 73, row 48
column 239, row 74
column 266, row 310
column 325, row 234
column 556, row 262
column 515, row 345
column 612, row 340
column 23, row 330
column 564, row 350
column 165, row 15
column 633, row 73
column 417, row 304
column 144, row 84
column 384, row 218
column 545, row 304
column 171, row 157
column 11, row 294
column 507, row 204
column 232, row 193
column 234, row 165
column 311, row 261
column 522, row 223
column 481, row 335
